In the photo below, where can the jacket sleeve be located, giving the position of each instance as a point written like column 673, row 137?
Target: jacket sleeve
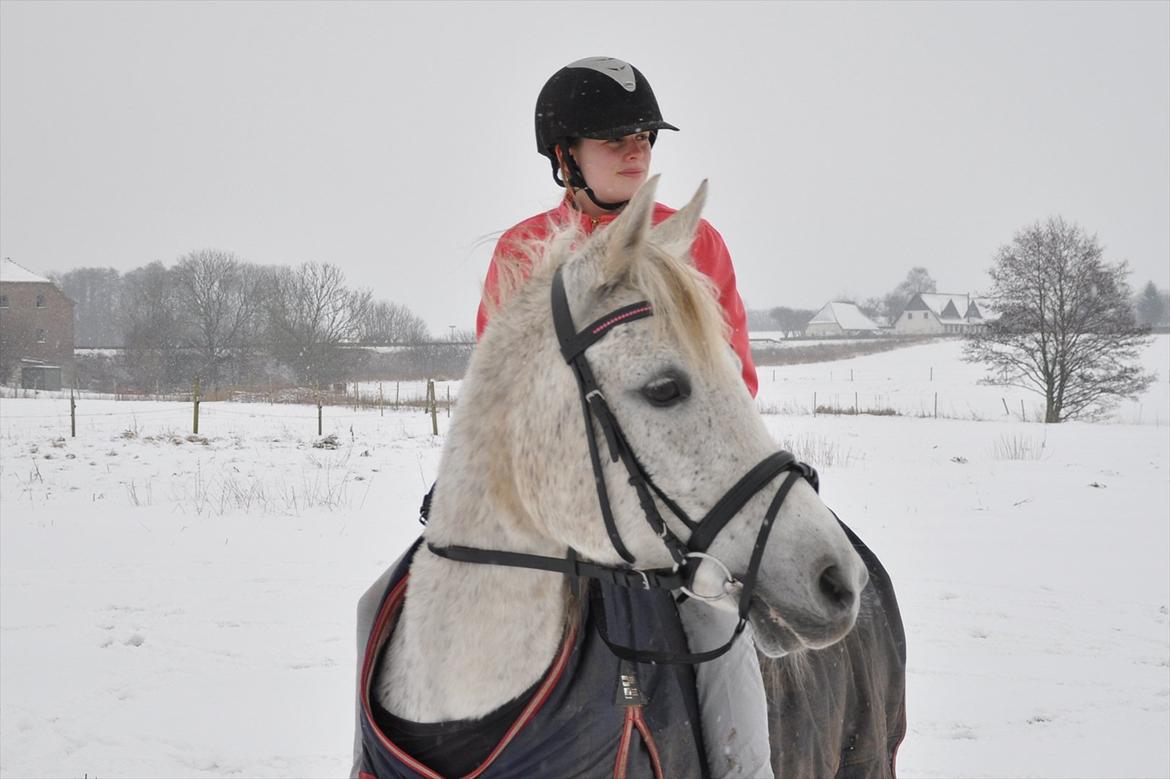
column 710, row 255
column 507, row 250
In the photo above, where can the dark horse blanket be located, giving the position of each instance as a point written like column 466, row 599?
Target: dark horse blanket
column 841, row 711
column 838, row 712
column 591, row 715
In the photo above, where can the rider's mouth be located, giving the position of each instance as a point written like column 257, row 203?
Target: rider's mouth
column 773, row 637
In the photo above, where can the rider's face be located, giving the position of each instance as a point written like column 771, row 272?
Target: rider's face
column 614, row 169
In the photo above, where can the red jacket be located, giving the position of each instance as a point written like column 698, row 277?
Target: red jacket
column 708, row 252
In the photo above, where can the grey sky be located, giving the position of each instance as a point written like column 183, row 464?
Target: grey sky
column 844, row 143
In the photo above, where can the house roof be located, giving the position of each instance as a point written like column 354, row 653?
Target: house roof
column 938, row 302
column 847, row 315
column 11, row 271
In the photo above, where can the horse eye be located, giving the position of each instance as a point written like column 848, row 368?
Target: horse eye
column 667, row 391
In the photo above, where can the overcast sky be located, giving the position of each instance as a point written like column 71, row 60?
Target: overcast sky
column 844, row 143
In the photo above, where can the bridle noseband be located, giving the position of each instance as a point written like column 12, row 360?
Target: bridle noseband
column 688, row 555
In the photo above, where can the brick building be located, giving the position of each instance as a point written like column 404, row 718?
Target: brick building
column 36, row 330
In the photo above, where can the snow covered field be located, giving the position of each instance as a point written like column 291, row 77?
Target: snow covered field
column 180, row 606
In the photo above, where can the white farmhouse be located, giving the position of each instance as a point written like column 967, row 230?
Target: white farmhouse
column 838, row 318
column 937, row 313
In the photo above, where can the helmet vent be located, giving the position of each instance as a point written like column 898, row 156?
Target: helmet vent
column 619, row 71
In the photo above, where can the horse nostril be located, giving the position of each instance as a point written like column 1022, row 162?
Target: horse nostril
column 834, row 589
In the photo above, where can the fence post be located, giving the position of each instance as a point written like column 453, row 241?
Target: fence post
column 856, row 410
column 381, row 402
column 850, row 374
column 936, row 405
column 72, row 415
column 1022, row 418
column 1006, row 413
column 814, row 404
column 433, row 406
column 448, row 401
column 396, row 385
column 932, row 373
column 195, row 398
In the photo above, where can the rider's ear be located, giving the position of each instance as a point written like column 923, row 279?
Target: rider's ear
column 676, row 234
column 624, row 238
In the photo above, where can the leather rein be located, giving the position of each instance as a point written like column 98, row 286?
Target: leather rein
column 687, row 555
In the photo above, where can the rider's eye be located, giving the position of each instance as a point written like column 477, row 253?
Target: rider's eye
column 667, row 390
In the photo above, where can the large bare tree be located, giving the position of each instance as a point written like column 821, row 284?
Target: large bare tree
column 219, row 296
column 311, row 313
column 1066, row 328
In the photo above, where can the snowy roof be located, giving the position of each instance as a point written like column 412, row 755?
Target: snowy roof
column 985, row 309
column 938, row 302
column 11, row 271
column 848, row 315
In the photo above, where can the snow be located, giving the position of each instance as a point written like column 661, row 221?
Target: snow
column 12, row 271
column 173, row 605
column 848, row 315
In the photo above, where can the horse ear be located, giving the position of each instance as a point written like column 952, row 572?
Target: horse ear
column 624, row 238
column 677, row 232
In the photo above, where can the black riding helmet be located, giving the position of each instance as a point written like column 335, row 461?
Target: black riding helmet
column 596, row 97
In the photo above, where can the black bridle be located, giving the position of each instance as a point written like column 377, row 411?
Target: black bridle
column 703, row 532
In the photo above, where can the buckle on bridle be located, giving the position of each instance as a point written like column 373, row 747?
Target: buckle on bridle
column 728, row 584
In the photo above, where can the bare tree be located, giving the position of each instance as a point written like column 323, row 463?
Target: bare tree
column 220, row 298
column 311, row 313
column 95, row 293
column 791, row 321
column 152, row 327
column 1066, row 329
column 918, row 279
column 388, row 323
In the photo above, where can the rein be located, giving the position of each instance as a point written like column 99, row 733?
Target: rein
column 681, row 575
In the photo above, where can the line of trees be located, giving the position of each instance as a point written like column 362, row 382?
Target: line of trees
column 230, row 322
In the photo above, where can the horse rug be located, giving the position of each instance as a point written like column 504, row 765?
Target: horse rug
column 591, row 714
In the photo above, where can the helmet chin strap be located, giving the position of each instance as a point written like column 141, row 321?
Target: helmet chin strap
column 577, row 181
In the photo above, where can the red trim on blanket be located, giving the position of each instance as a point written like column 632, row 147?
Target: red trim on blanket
column 538, row 699
column 623, row 753
column 378, row 637
column 648, row 737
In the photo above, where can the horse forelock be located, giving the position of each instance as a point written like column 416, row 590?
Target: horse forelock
column 685, row 301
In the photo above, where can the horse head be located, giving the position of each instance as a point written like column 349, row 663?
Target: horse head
column 674, row 388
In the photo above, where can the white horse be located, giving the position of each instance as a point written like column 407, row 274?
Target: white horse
column 516, row 475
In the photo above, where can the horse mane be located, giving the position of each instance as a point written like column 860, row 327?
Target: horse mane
column 685, row 301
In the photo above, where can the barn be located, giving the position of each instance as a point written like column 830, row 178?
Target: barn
column 36, row 330
column 937, row 313
column 840, row 319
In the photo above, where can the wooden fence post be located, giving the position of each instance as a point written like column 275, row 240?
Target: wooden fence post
column 936, row 405
column 433, row 406
column 396, row 386
column 195, row 398
column 814, row 404
column 1022, row 418
column 448, row 401
column 856, row 409
column 72, row 415
column 1006, row 413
